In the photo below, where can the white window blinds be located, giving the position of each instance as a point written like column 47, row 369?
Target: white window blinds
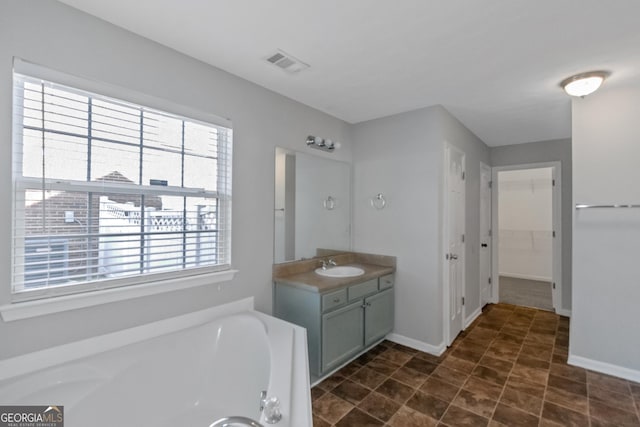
column 106, row 191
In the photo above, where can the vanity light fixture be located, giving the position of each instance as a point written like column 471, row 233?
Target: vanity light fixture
column 324, row 144
column 583, row 84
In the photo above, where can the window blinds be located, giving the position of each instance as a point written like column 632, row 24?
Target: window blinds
column 106, row 191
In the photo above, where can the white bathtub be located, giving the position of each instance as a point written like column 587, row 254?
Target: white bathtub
column 186, row 371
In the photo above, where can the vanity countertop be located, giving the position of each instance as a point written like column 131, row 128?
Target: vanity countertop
column 314, row 282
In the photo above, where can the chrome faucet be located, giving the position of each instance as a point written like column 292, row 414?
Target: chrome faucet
column 326, row 264
column 270, row 407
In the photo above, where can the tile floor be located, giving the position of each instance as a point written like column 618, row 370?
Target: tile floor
column 507, row 369
column 529, row 293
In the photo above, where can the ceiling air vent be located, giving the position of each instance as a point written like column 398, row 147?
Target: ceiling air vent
column 287, row 62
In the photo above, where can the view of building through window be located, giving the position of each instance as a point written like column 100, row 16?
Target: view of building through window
column 108, row 189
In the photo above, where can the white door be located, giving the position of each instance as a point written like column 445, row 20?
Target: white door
column 485, row 235
column 455, row 238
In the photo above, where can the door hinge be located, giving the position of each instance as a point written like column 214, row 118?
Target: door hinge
column 463, row 175
column 462, row 300
column 553, row 285
column 463, row 238
column 489, row 280
column 553, row 233
column 446, row 256
column 553, row 182
column 490, row 184
column 490, row 233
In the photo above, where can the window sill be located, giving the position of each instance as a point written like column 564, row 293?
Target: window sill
column 28, row 309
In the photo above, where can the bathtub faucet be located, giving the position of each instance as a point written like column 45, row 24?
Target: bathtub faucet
column 270, row 407
column 236, row 421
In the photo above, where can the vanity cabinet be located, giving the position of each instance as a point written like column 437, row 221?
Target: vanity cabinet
column 378, row 319
column 340, row 323
column 342, row 332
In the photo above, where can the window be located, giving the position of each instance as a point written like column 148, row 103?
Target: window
column 106, row 191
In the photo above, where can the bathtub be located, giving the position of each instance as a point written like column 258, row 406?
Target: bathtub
column 186, row 371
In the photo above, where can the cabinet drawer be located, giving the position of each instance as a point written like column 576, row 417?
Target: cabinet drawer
column 334, row 299
column 363, row 289
column 386, row 281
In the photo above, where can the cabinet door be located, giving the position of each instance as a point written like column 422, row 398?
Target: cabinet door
column 342, row 332
column 378, row 316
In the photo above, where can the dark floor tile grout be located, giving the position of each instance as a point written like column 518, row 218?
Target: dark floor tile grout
column 537, row 329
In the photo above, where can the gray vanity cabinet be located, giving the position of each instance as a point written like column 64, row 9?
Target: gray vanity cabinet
column 378, row 316
column 340, row 323
column 342, row 332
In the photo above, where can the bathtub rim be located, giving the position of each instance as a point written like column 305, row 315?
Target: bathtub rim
column 42, row 359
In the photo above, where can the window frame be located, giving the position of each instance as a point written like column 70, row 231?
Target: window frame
column 91, row 291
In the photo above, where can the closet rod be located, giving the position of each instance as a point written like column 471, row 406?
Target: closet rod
column 583, row 206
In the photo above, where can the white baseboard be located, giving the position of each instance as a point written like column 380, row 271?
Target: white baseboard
column 563, row 312
column 436, row 350
column 605, row 368
column 473, row 316
column 526, row 276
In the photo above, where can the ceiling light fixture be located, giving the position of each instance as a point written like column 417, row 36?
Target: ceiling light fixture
column 583, row 84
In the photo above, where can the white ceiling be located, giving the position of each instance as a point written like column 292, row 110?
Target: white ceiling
column 494, row 64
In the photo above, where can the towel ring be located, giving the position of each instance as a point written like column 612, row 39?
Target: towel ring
column 329, row 204
column 378, row 202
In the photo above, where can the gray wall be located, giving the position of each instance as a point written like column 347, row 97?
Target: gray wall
column 539, row 152
column 402, row 157
column 604, row 326
column 62, row 38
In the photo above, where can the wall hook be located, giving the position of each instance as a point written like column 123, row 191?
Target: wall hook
column 378, row 201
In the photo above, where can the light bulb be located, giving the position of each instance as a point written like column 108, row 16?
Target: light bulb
column 583, row 84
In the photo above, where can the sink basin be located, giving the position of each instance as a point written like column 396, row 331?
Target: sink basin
column 340, row 271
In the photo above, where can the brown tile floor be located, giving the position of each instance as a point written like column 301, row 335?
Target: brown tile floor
column 507, row 369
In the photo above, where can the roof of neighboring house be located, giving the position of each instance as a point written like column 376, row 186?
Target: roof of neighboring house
column 149, row 201
column 65, row 200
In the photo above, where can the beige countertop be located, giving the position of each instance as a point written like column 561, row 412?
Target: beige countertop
column 314, row 282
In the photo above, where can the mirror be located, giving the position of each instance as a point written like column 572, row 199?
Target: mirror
column 312, row 205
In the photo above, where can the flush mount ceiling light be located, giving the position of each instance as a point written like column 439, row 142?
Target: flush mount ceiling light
column 583, row 84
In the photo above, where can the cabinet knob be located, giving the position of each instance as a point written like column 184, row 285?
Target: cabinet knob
column 336, row 299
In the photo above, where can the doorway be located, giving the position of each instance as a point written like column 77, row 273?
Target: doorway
column 454, row 242
column 526, row 251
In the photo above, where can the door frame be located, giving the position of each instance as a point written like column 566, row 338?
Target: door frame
column 556, row 247
column 448, row 147
column 482, row 281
